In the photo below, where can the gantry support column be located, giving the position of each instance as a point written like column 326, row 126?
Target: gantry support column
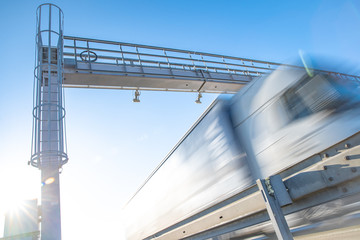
column 48, row 144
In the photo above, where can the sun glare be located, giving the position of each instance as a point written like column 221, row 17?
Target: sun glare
column 11, row 205
column 16, row 186
column 49, row 180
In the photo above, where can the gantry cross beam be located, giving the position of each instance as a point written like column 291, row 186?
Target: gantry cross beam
column 106, row 64
column 93, row 63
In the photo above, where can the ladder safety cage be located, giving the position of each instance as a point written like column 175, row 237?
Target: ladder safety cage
column 48, row 112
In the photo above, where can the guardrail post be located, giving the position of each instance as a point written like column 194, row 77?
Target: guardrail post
column 275, row 195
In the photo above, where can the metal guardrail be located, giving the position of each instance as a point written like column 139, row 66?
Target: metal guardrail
column 330, row 177
column 110, row 52
column 144, row 67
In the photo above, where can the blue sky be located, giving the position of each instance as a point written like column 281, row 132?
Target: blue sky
column 113, row 143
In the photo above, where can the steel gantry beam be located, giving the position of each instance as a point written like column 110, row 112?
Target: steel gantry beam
column 107, row 64
column 96, row 63
column 93, row 63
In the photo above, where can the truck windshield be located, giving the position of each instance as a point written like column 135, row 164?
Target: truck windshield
column 315, row 94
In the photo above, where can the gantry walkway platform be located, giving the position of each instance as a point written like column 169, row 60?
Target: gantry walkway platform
column 92, row 63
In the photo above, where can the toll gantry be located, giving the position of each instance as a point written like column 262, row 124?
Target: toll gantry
column 76, row 62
